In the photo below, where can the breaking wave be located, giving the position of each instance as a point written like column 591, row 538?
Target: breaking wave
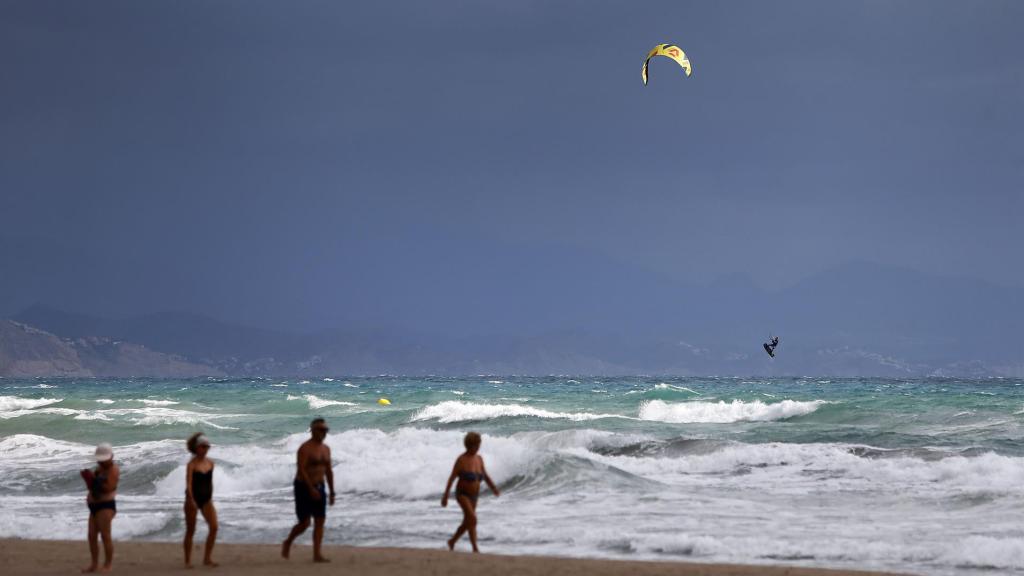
column 722, row 412
column 14, row 403
column 316, row 403
column 454, row 411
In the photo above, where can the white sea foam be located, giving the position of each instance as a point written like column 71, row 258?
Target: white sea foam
column 421, row 461
column 68, row 520
column 456, row 411
column 97, row 415
column 316, row 403
column 148, row 402
column 22, row 449
column 151, row 415
column 768, row 500
column 666, row 386
column 154, row 416
column 11, row 403
column 803, row 468
column 29, row 457
column 724, row 412
column 104, row 401
column 418, row 464
column 240, row 469
column 987, row 553
column 45, row 411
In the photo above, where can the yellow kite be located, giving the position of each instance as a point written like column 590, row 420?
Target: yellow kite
column 669, row 51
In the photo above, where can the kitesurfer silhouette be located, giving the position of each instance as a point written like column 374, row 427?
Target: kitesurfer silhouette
column 769, row 347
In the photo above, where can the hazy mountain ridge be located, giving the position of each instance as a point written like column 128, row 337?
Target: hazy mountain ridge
column 856, row 320
column 26, row 351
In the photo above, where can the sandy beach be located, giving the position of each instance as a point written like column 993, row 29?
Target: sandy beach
column 36, row 557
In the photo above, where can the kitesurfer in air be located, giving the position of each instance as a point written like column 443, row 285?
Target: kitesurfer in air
column 769, row 347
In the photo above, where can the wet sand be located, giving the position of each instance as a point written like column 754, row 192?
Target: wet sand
column 32, row 557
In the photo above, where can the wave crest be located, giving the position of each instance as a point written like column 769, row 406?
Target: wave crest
column 316, row 403
column 723, row 412
column 454, row 411
column 13, row 403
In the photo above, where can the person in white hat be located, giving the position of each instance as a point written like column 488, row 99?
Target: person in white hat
column 102, row 485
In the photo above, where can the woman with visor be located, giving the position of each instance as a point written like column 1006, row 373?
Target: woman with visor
column 199, row 497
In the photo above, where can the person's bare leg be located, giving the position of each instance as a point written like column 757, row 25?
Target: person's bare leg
column 467, row 513
column 94, row 545
column 104, row 519
column 318, row 539
column 458, row 534
column 471, row 527
column 286, row 547
column 190, row 531
column 210, row 515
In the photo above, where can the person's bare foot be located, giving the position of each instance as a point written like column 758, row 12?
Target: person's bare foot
column 188, row 566
column 320, row 560
column 286, row 549
column 476, row 550
column 105, row 568
column 210, row 564
column 451, row 544
column 89, row 569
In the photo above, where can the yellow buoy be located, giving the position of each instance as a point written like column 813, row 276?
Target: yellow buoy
column 384, row 402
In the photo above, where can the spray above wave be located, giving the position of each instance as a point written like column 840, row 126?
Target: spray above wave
column 454, row 411
column 722, row 412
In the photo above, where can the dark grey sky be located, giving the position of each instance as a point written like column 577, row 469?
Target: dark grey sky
column 300, row 163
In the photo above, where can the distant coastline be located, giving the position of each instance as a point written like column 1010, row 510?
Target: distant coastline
column 28, row 351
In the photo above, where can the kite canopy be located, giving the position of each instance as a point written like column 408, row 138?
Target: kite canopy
column 669, row 51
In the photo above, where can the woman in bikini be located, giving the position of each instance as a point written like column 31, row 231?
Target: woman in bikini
column 102, row 485
column 199, row 497
column 469, row 470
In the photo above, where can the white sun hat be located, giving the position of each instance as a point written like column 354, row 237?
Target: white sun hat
column 104, row 452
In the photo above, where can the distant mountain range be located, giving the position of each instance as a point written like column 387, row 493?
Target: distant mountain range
column 26, row 352
column 856, row 320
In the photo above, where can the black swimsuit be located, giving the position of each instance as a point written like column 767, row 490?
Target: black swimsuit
column 202, row 487
column 96, row 490
column 95, row 507
column 469, row 477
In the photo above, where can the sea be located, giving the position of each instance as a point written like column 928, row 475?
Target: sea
column 921, row 476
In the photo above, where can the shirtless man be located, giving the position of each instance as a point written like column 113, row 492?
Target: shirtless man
column 102, row 502
column 310, row 497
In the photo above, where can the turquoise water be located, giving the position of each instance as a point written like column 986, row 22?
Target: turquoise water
column 924, row 476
